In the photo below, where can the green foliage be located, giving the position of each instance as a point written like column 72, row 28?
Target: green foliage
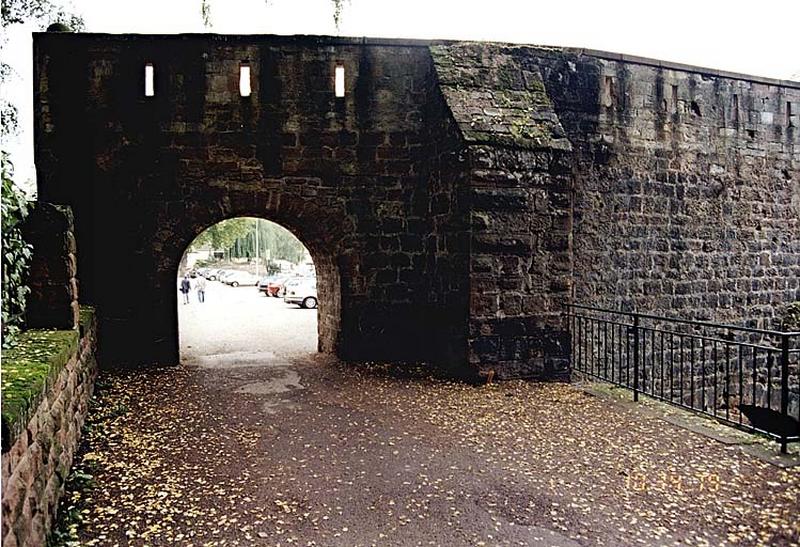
column 16, row 255
column 223, row 235
column 86, row 316
column 38, row 357
column 41, row 12
column 77, row 487
column 205, row 12
column 338, row 6
column 8, row 116
column 280, row 243
column 237, row 237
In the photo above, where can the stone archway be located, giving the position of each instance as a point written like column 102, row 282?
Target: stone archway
column 422, row 209
column 369, row 182
column 323, row 252
column 318, row 223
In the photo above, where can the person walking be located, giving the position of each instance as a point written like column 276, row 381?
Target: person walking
column 186, row 286
column 201, row 289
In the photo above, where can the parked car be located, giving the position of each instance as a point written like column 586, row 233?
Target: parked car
column 301, row 291
column 238, row 278
column 274, row 287
column 289, row 281
column 263, row 284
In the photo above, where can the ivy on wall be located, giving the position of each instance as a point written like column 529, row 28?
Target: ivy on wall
column 16, row 255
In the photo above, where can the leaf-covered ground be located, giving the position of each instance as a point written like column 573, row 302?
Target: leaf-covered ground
column 319, row 453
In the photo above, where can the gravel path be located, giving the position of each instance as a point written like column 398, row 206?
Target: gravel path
column 257, row 440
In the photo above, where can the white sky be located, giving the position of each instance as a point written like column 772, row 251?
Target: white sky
column 760, row 38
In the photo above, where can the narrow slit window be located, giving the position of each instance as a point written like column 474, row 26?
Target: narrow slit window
column 339, row 80
column 149, row 80
column 675, row 99
column 789, row 122
column 607, row 98
column 244, row 80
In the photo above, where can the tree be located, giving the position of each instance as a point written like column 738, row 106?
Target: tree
column 205, row 12
column 223, row 235
column 15, row 12
column 237, row 238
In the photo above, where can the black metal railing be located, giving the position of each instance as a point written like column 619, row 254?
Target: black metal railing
column 744, row 377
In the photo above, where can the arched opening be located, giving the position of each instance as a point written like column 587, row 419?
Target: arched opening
column 251, row 292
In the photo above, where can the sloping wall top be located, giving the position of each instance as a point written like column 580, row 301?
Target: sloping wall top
column 497, row 96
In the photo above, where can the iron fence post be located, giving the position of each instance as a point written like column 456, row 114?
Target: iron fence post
column 635, row 357
column 784, row 388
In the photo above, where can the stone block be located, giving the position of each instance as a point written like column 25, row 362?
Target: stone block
column 49, row 228
column 10, row 539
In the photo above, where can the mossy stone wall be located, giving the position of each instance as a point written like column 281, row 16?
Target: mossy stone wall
column 48, row 380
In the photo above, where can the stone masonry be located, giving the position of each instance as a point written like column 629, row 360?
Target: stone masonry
column 519, row 183
column 453, row 200
column 53, row 302
column 41, row 450
column 687, row 187
column 358, row 179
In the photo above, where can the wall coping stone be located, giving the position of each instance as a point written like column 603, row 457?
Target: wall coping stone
column 322, row 40
column 497, row 101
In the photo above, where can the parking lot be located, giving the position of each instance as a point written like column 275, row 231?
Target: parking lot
column 240, row 324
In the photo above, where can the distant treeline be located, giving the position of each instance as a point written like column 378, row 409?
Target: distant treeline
column 236, row 237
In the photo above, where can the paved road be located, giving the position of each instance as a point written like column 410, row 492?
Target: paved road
column 257, row 440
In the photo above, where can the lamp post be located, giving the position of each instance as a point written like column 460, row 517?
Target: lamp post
column 257, row 246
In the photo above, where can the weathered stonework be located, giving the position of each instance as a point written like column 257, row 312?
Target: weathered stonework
column 53, row 300
column 687, row 187
column 353, row 178
column 520, row 186
column 38, row 453
column 453, row 201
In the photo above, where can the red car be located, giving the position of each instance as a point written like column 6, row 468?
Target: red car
column 275, row 287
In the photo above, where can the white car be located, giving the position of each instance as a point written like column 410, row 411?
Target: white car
column 236, row 279
column 302, row 292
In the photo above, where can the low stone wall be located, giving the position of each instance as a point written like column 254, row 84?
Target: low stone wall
column 41, row 437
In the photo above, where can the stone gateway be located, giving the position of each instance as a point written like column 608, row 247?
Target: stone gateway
column 454, row 196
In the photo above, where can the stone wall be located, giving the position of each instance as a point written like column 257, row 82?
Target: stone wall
column 519, row 194
column 454, row 200
column 53, row 300
column 354, row 178
column 687, row 187
column 38, row 450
